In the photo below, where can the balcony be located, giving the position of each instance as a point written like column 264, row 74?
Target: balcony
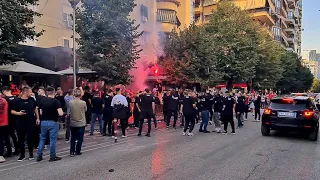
column 197, row 8
column 168, row 4
column 209, row 2
column 289, row 30
column 291, row 4
column 263, row 16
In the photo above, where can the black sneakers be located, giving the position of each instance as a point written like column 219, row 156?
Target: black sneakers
column 21, row 158
column 39, row 158
column 55, row 159
column 148, row 135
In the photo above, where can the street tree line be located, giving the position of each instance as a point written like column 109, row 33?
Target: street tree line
column 231, row 48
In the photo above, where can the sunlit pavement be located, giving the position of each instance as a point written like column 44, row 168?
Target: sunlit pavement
column 168, row 155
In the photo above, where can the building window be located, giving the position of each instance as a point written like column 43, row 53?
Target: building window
column 144, row 13
column 66, row 43
column 67, row 18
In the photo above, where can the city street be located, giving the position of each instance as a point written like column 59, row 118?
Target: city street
column 168, row 155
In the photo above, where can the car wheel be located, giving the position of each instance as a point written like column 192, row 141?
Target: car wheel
column 313, row 136
column 265, row 131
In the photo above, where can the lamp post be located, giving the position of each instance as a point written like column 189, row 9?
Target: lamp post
column 74, row 4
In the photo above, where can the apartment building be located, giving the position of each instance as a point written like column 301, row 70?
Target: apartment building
column 281, row 17
column 312, row 65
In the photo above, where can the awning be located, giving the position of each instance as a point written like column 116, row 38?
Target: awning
column 69, row 71
column 24, row 67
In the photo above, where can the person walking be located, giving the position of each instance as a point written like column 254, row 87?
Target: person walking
column 136, row 110
column 51, row 110
column 240, row 108
column 227, row 111
column 27, row 118
column 165, row 99
column 119, row 102
column 11, row 100
column 217, row 107
column 173, row 104
column 147, row 110
column 257, row 106
column 96, row 112
column 4, row 122
column 204, row 106
column 78, row 110
column 188, row 109
column 107, row 113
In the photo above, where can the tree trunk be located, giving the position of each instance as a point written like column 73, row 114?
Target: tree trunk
column 230, row 84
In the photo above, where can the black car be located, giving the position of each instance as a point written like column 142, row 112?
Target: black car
column 294, row 114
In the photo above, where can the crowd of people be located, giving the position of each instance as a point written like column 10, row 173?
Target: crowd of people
column 31, row 118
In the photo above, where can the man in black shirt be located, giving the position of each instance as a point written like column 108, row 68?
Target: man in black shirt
column 188, row 109
column 204, row 106
column 227, row 110
column 257, row 106
column 173, row 105
column 27, row 117
column 136, row 110
column 217, row 107
column 147, row 111
column 87, row 97
column 50, row 109
column 96, row 110
column 107, row 113
column 12, row 120
column 165, row 106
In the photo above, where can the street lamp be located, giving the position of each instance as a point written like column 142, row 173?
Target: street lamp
column 74, row 4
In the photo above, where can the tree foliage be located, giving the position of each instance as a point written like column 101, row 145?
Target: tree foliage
column 15, row 26
column 108, row 37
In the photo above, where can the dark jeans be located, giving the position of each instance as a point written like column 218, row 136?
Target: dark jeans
column 77, row 133
column 145, row 115
column 26, row 128
column 257, row 113
column 52, row 128
column 228, row 118
column 205, row 120
column 190, row 118
column 211, row 114
column 88, row 115
column 4, row 138
column 107, row 121
column 165, row 115
column 123, row 123
column 154, row 120
column 175, row 117
column 12, row 134
column 136, row 116
column 240, row 118
column 67, row 123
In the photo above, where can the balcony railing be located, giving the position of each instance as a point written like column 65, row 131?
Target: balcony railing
column 167, row 16
column 209, row 2
column 172, row 1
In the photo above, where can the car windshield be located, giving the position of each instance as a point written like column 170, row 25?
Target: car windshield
column 295, row 105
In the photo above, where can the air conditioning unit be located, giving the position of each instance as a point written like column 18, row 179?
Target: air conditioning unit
column 144, row 19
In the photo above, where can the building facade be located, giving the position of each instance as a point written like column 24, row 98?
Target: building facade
column 281, row 17
column 313, row 55
column 312, row 65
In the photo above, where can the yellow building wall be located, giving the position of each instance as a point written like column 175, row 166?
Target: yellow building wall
column 185, row 10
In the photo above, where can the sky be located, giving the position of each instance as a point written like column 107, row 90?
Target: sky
column 311, row 25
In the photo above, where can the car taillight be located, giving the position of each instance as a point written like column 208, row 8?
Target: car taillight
column 308, row 113
column 267, row 111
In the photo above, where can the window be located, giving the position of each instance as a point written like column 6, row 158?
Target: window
column 67, row 18
column 144, row 13
column 167, row 16
column 66, row 43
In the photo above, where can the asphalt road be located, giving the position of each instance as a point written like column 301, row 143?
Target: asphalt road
column 168, row 155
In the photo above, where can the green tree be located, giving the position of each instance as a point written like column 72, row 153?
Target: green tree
column 268, row 68
column 108, row 38
column 235, row 38
column 304, row 78
column 15, row 26
column 188, row 57
column 315, row 85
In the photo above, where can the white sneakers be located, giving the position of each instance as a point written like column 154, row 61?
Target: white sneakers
column 190, row 134
column 2, row 159
column 124, row 136
column 183, row 134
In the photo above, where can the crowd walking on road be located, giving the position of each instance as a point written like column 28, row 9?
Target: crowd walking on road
column 33, row 118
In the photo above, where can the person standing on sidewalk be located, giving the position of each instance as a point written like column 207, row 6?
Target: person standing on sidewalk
column 50, row 110
column 147, row 110
column 27, row 118
column 227, row 111
column 78, row 110
column 107, row 113
column 12, row 120
column 173, row 105
column 67, row 98
column 240, row 108
column 188, row 109
column 96, row 110
column 4, row 135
